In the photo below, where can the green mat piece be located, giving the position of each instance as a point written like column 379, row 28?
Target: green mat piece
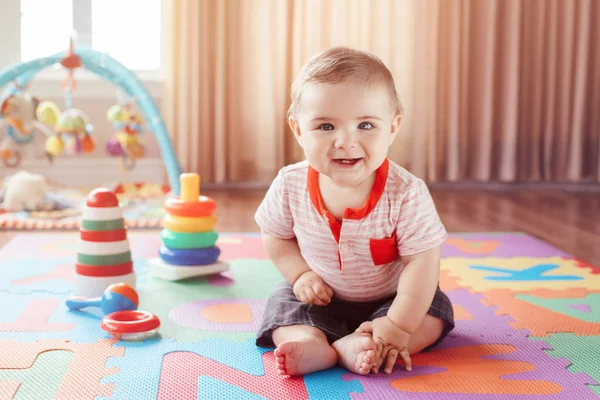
column 582, row 351
column 43, row 379
column 253, row 279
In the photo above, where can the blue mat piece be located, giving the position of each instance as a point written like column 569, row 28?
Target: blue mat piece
column 329, row 385
column 214, row 389
column 143, row 360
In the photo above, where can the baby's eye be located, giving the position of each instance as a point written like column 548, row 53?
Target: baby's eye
column 365, row 125
column 326, row 127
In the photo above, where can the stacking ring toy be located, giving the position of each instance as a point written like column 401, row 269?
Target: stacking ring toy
column 202, row 207
column 189, row 225
column 189, row 256
column 130, row 324
column 182, row 240
column 116, row 297
column 190, row 203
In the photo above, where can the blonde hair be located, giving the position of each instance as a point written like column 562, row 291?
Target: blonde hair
column 342, row 64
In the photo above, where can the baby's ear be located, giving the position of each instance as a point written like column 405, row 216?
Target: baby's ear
column 395, row 128
column 295, row 127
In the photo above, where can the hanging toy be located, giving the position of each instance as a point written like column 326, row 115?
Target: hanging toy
column 18, row 116
column 126, row 142
column 72, row 129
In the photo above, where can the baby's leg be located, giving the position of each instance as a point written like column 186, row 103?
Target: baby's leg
column 437, row 323
column 302, row 349
column 427, row 334
column 302, row 334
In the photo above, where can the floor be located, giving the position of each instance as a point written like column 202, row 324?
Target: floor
column 567, row 220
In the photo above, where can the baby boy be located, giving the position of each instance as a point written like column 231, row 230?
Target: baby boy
column 355, row 236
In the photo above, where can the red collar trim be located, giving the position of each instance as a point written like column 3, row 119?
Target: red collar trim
column 381, row 175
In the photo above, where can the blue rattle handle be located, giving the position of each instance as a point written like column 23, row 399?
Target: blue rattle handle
column 77, row 303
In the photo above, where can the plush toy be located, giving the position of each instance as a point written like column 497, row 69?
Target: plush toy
column 25, row 191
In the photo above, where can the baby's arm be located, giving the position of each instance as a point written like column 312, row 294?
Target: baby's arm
column 416, row 289
column 308, row 286
column 286, row 256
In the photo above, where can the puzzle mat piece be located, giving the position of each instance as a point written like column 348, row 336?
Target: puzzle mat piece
column 40, row 381
column 253, row 281
column 582, row 351
column 38, row 315
column 538, row 319
column 586, row 309
column 484, row 346
column 180, row 372
column 520, row 274
column 219, row 390
column 498, row 244
column 484, row 378
column 29, row 275
column 87, row 367
column 249, row 278
column 143, row 361
column 220, row 315
column 45, row 316
column 328, row 384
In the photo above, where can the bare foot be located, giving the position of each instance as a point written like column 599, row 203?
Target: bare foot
column 303, row 356
column 356, row 352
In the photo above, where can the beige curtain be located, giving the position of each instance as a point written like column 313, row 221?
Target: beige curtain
column 494, row 90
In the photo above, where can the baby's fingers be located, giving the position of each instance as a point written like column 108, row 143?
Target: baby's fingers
column 313, row 298
column 321, row 292
column 365, row 327
column 301, row 296
column 406, row 357
column 328, row 290
column 390, row 360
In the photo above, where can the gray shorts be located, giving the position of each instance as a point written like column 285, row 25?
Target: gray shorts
column 339, row 318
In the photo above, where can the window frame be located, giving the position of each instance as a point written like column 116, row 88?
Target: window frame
column 48, row 80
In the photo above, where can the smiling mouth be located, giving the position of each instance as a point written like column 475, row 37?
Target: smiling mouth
column 346, row 161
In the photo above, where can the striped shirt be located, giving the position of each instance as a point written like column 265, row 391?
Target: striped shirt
column 359, row 257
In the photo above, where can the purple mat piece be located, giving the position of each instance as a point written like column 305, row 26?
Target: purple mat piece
column 190, row 315
column 581, row 307
column 485, row 328
column 508, row 245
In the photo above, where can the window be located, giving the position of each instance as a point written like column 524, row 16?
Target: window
column 128, row 30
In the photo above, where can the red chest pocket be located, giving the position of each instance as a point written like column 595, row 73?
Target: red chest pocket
column 384, row 251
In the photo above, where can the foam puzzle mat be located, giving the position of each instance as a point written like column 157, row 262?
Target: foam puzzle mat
column 528, row 327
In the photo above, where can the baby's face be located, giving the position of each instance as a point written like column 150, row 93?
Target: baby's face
column 345, row 129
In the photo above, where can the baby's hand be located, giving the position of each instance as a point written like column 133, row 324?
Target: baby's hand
column 311, row 289
column 391, row 342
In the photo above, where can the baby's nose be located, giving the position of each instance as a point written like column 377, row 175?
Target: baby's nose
column 346, row 140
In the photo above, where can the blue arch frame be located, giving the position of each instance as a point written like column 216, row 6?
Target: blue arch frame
column 116, row 73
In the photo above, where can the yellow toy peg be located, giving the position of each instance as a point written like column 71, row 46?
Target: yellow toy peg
column 190, row 187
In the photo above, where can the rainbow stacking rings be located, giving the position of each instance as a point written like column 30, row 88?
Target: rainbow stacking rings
column 189, row 256
column 189, row 237
column 184, row 240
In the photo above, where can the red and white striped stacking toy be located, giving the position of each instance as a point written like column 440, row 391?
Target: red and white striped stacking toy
column 103, row 252
column 189, row 241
